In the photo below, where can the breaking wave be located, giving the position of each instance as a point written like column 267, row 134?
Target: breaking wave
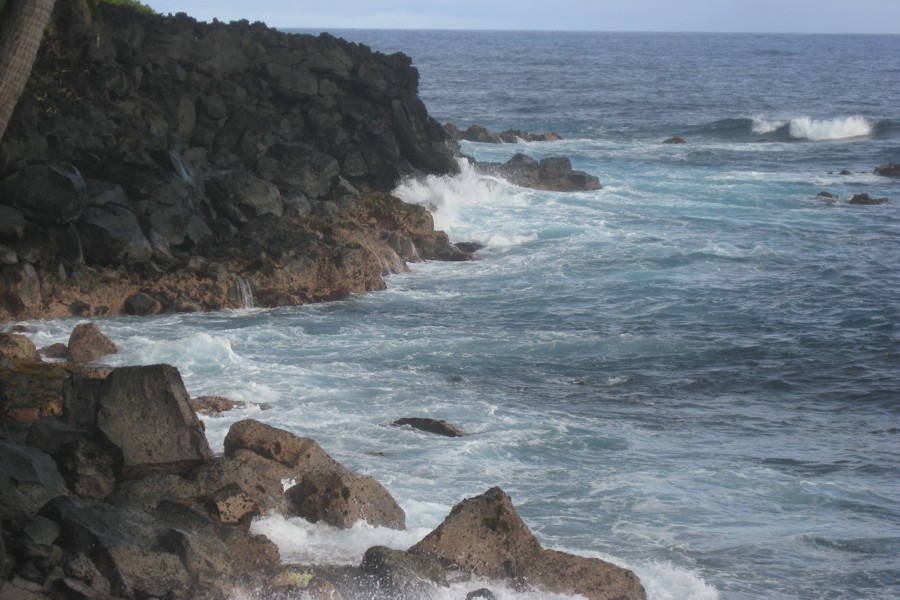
column 793, row 129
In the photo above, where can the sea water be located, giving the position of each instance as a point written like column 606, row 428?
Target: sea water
column 693, row 372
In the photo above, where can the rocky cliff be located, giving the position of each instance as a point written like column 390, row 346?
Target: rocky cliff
column 160, row 164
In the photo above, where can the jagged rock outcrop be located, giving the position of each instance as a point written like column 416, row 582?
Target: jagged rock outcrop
column 888, row 170
column 479, row 133
column 551, row 174
column 164, row 164
column 108, row 490
column 485, row 536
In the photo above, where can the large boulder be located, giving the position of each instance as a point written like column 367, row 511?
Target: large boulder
column 145, row 413
column 51, row 195
column 16, row 347
column 87, row 344
column 486, row 537
column 341, row 498
column 109, row 230
column 298, row 453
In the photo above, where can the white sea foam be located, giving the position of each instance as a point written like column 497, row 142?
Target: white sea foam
column 807, row 128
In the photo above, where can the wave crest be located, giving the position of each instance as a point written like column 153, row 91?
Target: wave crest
column 806, row 128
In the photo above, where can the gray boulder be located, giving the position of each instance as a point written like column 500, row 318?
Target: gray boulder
column 145, row 413
column 109, row 230
column 341, row 498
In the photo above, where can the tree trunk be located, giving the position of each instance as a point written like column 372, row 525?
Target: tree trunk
column 22, row 25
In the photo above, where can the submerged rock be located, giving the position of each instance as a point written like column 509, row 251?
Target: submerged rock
column 436, row 426
column 675, row 139
column 865, row 199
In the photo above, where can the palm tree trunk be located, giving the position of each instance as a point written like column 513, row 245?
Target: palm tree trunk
column 22, row 25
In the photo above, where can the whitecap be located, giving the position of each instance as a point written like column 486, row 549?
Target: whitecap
column 805, row 128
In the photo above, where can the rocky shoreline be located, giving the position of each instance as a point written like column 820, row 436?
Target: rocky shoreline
column 158, row 164
column 110, row 490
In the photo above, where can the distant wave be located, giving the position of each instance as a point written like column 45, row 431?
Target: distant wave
column 805, row 128
column 794, row 129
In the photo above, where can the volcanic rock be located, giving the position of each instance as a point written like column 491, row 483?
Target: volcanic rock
column 341, row 498
column 436, row 426
column 888, row 170
column 551, row 174
column 15, row 347
column 486, row 537
column 865, row 199
column 146, row 414
column 87, row 344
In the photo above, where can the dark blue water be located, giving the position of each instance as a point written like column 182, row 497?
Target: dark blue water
column 694, row 372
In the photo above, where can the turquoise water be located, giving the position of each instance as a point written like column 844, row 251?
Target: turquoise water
column 694, row 372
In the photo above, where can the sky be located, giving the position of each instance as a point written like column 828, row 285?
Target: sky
column 751, row 16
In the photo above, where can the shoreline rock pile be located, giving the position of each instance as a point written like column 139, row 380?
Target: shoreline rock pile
column 109, row 489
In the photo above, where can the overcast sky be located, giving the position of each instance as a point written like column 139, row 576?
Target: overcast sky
column 791, row 16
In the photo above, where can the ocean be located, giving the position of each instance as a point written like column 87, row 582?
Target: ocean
column 693, row 372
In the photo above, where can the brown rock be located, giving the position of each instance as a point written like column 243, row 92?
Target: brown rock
column 32, row 390
column 341, row 498
column 232, row 505
column 485, row 536
column 675, row 139
column 14, row 347
column 57, row 350
column 302, row 454
column 87, row 344
column 214, row 406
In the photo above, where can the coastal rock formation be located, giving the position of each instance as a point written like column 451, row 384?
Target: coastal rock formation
column 478, row 133
column 108, row 490
column 675, row 139
column 162, row 164
column 485, row 536
column 436, row 426
column 888, row 170
column 87, row 343
column 865, row 199
column 550, row 174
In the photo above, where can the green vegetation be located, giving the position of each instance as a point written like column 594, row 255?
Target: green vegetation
column 134, row 3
